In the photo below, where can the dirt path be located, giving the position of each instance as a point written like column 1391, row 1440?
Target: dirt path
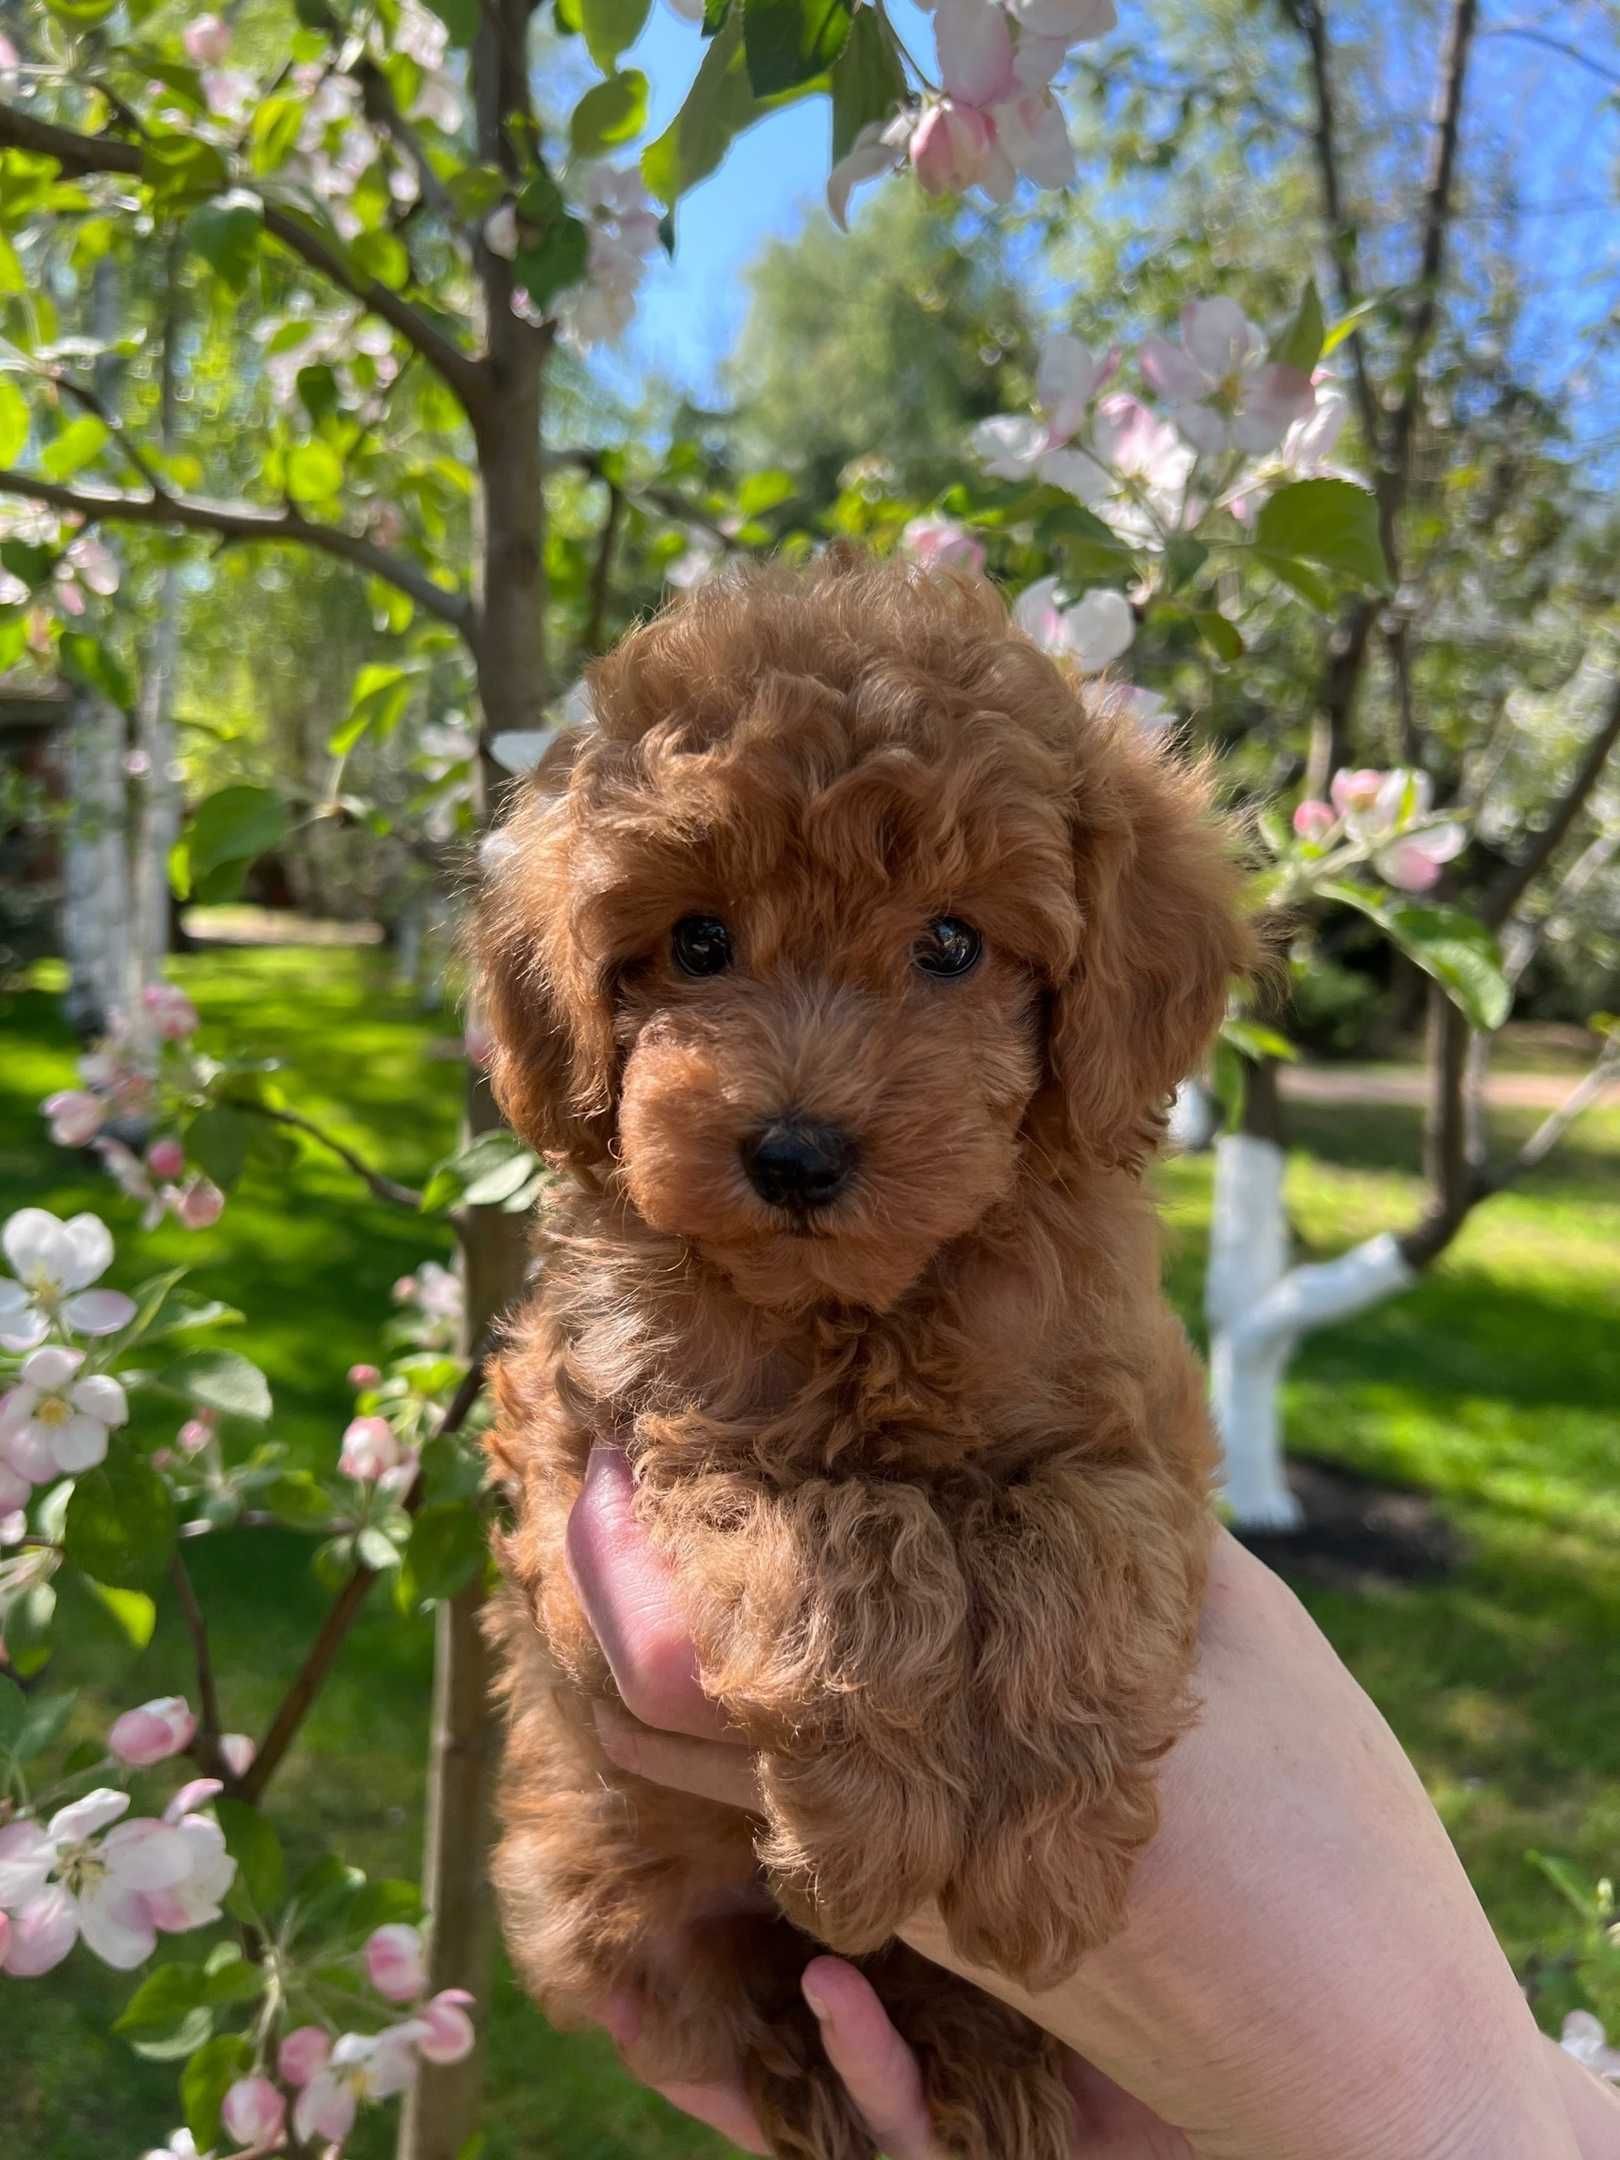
column 1385, row 1084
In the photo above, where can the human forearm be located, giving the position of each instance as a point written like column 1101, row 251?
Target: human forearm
column 1592, row 2107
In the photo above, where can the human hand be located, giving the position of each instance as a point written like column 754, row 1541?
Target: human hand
column 1304, row 1972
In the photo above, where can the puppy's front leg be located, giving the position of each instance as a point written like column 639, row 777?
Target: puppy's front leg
column 831, row 1626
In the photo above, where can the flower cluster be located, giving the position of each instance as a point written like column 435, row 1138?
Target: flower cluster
column 144, row 1063
column 432, row 1304
column 995, row 119
column 622, row 230
column 1383, row 817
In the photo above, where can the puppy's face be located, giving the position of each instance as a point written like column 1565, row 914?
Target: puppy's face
column 822, row 934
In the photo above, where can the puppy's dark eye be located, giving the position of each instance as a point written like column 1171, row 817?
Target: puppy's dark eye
column 948, row 946
column 701, row 945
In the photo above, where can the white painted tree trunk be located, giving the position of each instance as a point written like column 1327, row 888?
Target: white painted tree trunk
column 95, row 881
column 1258, row 1308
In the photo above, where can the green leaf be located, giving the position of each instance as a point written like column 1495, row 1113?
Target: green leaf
column 1331, row 522
column 447, row 1547
column 206, row 2079
column 765, row 491
column 384, row 256
column 80, row 443
column 253, row 1844
column 92, row 662
column 1299, row 577
column 39, row 1722
column 220, row 1380
column 376, row 1550
column 28, row 1629
column 230, row 1977
column 81, row 14
column 274, row 133
column 120, row 1523
column 492, row 1155
column 1348, row 323
column 461, row 18
column 163, row 1998
column 1447, row 943
column 1223, row 637
column 132, row 1611
column 233, row 825
column 868, row 81
column 611, row 25
column 377, row 703
column 553, row 262
column 14, row 422
column 1252, row 1040
column 383, row 1904
column 226, row 235
column 788, row 42
column 1184, row 557
column 613, row 112
column 314, row 472
column 299, row 1499
column 719, row 105
column 1300, row 345
column 182, row 168
column 217, row 1141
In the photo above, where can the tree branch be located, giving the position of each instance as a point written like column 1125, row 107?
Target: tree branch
column 344, row 1609
column 1561, row 46
column 602, row 570
column 1515, row 880
column 205, row 1746
column 382, row 1187
column 85, row 154
column 1604, row 1071
column 244, row 521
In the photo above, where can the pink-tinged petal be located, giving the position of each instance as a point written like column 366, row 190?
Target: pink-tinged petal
column 236, row 1752
column 83, row 1818
column 26, row 1858
column 391, row 2061
column 165, row 1158
column 34, row 1242
column 1076, row 473
column 1038, row 615
column 147, row 1855
column 207, row 40
column 1314, row 820
column 1355, row 789
column 1218, row 336
column 98, row 1312
column 51, row 1368
column 873, row 153
column 116, row 1925
column 1009, row 445
column 394, row 1961
column 100, row 1396
column 1075, row 22
column 1170, row 371
column 1101, row 627
column 14, row 1492
column 253, row 2113
column 22, row 1335
column 153, row 1731
column 196, row 1794
column 324, row 2109
column 17, row 1409
column 449, row 2037
column 1310, row 441
column 30, row 1454
column 1205, row 428
column 42, row 1933
column 1441, row 843
column 1274, row 399
column 303, row 2055
column 75, row 1116
column 13, row 1297
column 1033, row 136
column 975, row 51
column 950, row 148
column 90, row 1244
column 1067, row 377
column 1407, row 867
column 79, row 1444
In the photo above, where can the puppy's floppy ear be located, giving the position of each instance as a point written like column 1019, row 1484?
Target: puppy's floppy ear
column 550, row 1017
column 1162, row 937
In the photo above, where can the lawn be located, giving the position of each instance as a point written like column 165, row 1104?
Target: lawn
column 1495, row 1386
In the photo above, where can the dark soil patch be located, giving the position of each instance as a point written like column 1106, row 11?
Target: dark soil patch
column 1358, row 1531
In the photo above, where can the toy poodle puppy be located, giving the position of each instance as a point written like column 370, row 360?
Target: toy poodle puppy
column 843, row 968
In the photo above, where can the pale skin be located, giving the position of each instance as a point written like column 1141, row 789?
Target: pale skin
column 1304, row 1972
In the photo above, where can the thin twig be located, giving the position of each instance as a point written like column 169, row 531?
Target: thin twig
column 376, row 1182
column 602, row 570
column 1515, row 880
column 94, row 403
column 1604, row 1071
column 205, row 1745
column 344, row 1609
column 1558, row 45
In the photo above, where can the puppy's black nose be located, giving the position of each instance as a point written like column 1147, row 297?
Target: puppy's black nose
column 791, row 1164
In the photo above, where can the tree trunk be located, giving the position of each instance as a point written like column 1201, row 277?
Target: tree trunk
column 95, row 868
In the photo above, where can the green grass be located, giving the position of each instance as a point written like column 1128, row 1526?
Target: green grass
column 1495, row 1385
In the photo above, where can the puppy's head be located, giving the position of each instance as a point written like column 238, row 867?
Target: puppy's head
column 845, row 909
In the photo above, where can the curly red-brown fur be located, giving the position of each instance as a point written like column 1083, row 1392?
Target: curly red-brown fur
column 934, row 1477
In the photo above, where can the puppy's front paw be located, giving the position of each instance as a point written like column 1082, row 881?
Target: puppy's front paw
column 851, row 1850
column 1034, row 1897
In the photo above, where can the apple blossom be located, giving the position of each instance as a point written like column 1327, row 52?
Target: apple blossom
column 197, row 1899
column 14, row 1491
column 449, row 2035
column 54, row 1264
column 1314, row 820
column 253, row 2114
column 153, row 1732
column 165, row 1158
column 940, row 543
column 1076, row 22
column 370, row 1450
column 75, row 1115
column 207, row 41
column 1584, row 2037
column 1068, row 375
column 195, row 1434
column 877, row 149
column 302, row 2055
column 1092, row 632
column 1355, row 792
column 394, row 1961
column 362, row 2066
column 622, row 227
column 404, row 1290
column 181, row 2146
column 69, row 1879
column 951, row 147
column 1224, row 393
column 52, row 1425
column 198, row 1204
column 170, row 1010
column 1413, row 863
column 501, row 231
column 363, row 1376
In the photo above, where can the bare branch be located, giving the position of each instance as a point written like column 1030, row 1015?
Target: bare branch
column 1514, row 881
column 94, row 403
column 384, row 1188
column 205, row 1745
column 83, row 154
column 245, row 521
column 1562, row 46
column 1602, row 1075
column 602, row 571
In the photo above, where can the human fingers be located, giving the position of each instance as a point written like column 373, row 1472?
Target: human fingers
column 878, row 2070
column 708, row 1768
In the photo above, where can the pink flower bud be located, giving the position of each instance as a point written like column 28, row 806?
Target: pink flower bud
column 1314, row 820
column 13, row 1529
column 164, row 1458
column 369, row 1448
column 404, row 1289
column 75, row 1116
column 363, row 1376
column 195, row 1434
column 171, row 1010
column 152, row 1733
column 939, row 543
column 236, row 1752
column 207, row 41
column 253, row 2113
column 950, row 147
column 165, row 1158
column 1355, row 790
column 198, row 1205
column 449, row 2035
column 395, row 1965
column 303, row 2054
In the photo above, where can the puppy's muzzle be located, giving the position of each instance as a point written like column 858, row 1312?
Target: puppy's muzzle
column 799, row 1166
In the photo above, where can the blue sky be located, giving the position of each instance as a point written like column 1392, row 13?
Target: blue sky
column 1555, row 121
